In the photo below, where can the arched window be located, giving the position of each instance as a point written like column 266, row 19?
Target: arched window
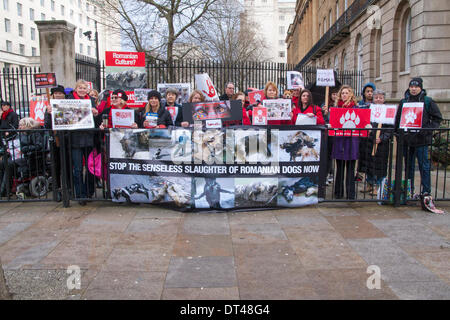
column 330, row 17
column 379, row 55
column 344, row 61
column 345, row 5
column 408, row 42
column 329, row 64
column 336, row 62
column 359, row 53
column 337, row 10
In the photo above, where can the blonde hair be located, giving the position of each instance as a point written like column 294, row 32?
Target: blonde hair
column 29, row 123
column 202, row 97
column 79, row 83
column 268, row 84
column 351, row 97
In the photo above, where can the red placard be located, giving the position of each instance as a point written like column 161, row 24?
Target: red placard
column 124, row 59
column 44, row 80
column 256, row 96
column 412, row 114
column 38, row 105
column 131, row 102
column 342, row 118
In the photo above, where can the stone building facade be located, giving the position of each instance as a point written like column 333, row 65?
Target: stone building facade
column 390, row 41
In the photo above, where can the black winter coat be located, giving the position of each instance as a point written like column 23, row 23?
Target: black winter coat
column 12, row 120
column 377, row 165
column 431, row 119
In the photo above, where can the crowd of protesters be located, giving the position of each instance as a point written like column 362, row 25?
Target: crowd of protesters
column 355, row 158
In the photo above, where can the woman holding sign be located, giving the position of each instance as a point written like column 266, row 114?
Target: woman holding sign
column 119, row 100
column 345, row 150
column 82, row 143
column 153, row 115
column 307, row 108
column 271, row 93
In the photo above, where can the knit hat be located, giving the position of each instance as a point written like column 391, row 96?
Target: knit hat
column 121, row 94
column 418, row 82
column 59, row 88
column 154, row 93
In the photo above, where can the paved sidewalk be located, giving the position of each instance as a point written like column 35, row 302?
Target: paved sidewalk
column 146, row 252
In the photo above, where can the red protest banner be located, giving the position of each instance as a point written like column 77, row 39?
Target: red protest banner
column 345, row 118
column 411, row 115
column 44, row 80
column 256, row 96
column 124, row 59
column 38, row 105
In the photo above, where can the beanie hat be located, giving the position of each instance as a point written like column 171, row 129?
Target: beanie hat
column 154, row 93
column 121, row 94
column 59, row 88
column 418, row 82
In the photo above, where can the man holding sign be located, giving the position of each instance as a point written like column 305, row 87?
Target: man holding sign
column 417, row 141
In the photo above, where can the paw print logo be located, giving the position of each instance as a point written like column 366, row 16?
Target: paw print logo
column 258, row 97
column 410, row 117
column 40, row 110
column 350, row 120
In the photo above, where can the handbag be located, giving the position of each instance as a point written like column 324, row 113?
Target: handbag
column 95, row 165
column 385, row 191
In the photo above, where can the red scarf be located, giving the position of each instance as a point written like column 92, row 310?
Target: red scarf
column 5, row 113
column 76, row 96
column 351, row 104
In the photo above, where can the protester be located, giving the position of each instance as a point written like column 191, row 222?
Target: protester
column 271, row 92
column 245, row 118
column 119, row 100
column 94, row 94
column 332, row 101
column 307, row 107
column 171, row 98
column 196, row 96
column 367, row 99
column 377, row 150
column 82, row 143
column 229, row 91
column 154, row 115
column 8, row 118
column 416, row 142
column 345, row 150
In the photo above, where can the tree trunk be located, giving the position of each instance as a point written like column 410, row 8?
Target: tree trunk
column 4, row 294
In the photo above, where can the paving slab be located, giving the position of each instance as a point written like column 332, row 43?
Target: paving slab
column 351, row 227
column 192, row 245
column 204, row 272
column 419, row 290
column 205, row 224
column 231, row 293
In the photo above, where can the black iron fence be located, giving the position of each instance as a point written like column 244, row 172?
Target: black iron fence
column 57, row 169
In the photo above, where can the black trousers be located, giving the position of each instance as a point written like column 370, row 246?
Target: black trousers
column 347, row 167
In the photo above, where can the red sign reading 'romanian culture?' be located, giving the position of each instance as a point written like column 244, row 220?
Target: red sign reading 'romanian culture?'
column 125, row 59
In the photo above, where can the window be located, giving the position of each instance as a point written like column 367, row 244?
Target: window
column 89, row 50
column 95, row 10
column 80, row 33
column 19, row 9
column 31, row 14
column 71, row 14
column 320, row 30
column 7, row 25
column 408, row 43
column 344, row 61
column 20, row 27
column 87, row 21
column 337, row 10
column 42, row 16
column 87, row 7
column 336, row 62
column 282, row 18
column 79, row 17
column 62, row 10
column 6, row 5
column 379, row 48
column 52, row 5
column 281, row 42
column 281, row 29
column 325, row 25
column 330, row 18
column 33, row 34
column 359, row 57
column 81, row 48
column 345, row 5
column 33, row 51
column 42, row 3
column 22, row 49
column 281, row 54
column 8, row 46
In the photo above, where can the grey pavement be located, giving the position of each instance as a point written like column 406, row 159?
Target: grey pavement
column 149, row 252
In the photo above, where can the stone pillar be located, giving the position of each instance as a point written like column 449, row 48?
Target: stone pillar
column 57, row 49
